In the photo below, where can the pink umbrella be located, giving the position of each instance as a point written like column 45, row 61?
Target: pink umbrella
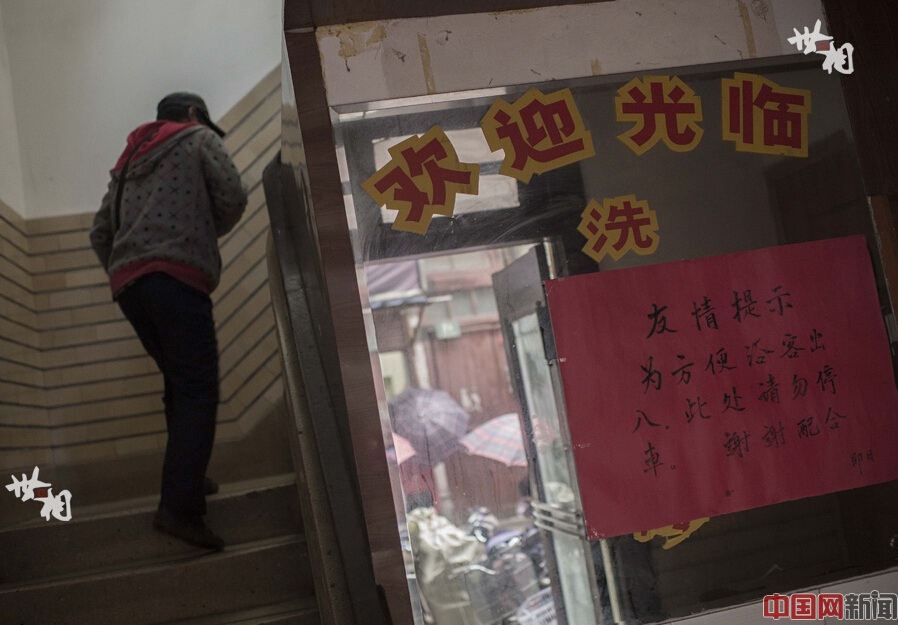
column 402, row 449
column 498, row 439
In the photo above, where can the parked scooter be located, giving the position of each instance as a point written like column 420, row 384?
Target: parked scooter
column 514, row 569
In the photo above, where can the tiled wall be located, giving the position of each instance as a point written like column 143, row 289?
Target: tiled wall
column 75, row 383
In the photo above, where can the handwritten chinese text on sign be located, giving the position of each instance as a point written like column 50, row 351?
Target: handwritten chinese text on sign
column 709, row 386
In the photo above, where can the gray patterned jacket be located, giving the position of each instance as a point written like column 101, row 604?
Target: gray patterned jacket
column 179, row 196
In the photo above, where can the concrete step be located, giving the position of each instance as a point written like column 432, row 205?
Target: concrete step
column 139, row 475
column 112, row 537
column 296, row 612
column 243, row 577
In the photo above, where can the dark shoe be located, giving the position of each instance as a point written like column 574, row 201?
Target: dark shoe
column 210, row 486
column 189, row 528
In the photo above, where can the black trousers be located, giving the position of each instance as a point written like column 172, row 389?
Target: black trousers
column 175, row 325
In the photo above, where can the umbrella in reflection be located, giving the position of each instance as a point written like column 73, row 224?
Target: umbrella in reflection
column 431, row 421
column 498, row 439
column 401, row 450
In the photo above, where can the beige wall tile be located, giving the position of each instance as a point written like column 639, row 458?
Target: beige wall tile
column 71, row 298
column 253, row 415
column 87, row 433
column 250, row 312
column 105, row 390
column 260, row 221
column 228, row 431
column 48, row 282
column 242, row 108
column 254, row 357
column 246, row 393
column 72, row 259
column 17, row 239
column 23, row 415
column 148, row 424
column 88, row 354
column 97, row 312
column 59, row 224
column 250, row 124
column 53, row 319
column 24, row 437
column 17, row 353
column 15, row 311
column 7, row 213
column 125, row 367
column 276, row 365
column 226, row 413
column 14, row 373
column 254, row 206
column 130, row 348
column 239, row 239
column 43, row 243
column 74, row 240
column 24, row 397
column 61, row 397
column 275, row 393
column 16, row 271
column 39, row 302
column 135, row 445
column 253, row 175
column 19, row 461
column 147, row 404
column 259, row 144
column 247, row 369
column 84, row 453
column 19, row 294
column 19, row 333
column 38, row 264
column 74, row 375
column 114, row 330
column 92, row 276
column 80, row 413
column 67, row 337
column 243, row 258
column 230, row 300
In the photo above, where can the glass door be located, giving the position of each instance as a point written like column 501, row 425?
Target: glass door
column 556, row 500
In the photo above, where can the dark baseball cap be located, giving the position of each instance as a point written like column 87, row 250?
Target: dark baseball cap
column 176, row 105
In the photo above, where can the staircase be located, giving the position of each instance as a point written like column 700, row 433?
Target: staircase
column 80, row 399
column 107, row 566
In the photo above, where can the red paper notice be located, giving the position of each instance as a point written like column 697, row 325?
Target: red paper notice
column 714, row 385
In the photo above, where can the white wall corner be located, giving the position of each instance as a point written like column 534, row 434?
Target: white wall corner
column 12, row 191
column 86, row 73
